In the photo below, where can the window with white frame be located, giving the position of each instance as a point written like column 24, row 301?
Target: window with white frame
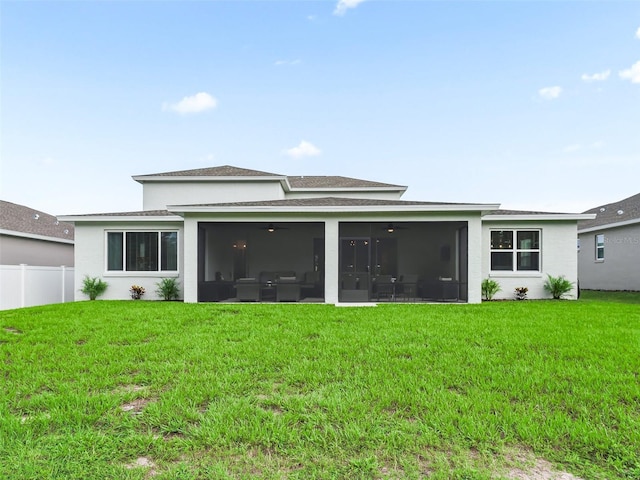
column 600, row 247
column 142, row 251
column 515, row 250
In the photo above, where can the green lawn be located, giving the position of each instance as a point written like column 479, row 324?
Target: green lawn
column 315, row 391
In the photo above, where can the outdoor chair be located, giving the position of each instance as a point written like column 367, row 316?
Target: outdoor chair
column 248, row 290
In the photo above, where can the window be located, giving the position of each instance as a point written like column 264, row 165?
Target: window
column 142, row 251
column 508, row 255
column 600, row 247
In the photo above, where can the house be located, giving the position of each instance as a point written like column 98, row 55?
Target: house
column 36, row 257
column 228, row 233
column 609, row 246
column 32, row 237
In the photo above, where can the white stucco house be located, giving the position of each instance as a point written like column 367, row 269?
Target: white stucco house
column 233, row 234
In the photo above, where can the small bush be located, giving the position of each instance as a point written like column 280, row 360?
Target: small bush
column 136, row 292
column 168, row 289
column 558, row 286
column 489, row 288
column 93, row 287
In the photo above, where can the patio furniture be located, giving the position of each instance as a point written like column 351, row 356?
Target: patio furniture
column 408, row 285
column 288, row 290
column 385, row 287
column 248, row 290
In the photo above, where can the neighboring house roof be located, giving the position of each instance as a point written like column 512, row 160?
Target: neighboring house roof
column 23, row 221
column 620, row 213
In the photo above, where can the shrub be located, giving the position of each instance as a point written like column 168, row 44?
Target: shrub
column 168, row 289
column 558, row 286
column 93, row 287
column 136, row 292
column 489, row 288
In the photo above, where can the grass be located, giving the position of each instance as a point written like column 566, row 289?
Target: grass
column 137, row 390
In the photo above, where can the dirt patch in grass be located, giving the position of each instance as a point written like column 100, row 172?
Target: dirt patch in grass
column 524, row 466
column 136, row 406
column 13, row 330
column 143, row 462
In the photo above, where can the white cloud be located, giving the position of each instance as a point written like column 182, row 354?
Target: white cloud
column 632, row 73
column 343, row 5
column 304, row 149
column 638, row 33
column 279, row 63
column 596, row 77
column 197, row 103
column 550, row 93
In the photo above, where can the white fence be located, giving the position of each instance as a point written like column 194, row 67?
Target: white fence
column 26, row 285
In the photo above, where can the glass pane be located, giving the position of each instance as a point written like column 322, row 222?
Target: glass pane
column 600, row 240
column 142, row 251
column 502, row 239
column 528, row 261
column 501, row 261
column 114, row 251
column 529, row 240
column 169, row 252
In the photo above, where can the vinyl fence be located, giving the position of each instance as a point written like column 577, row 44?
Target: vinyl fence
column 27, row 285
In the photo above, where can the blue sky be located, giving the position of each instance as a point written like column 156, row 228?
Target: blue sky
column 534, row 105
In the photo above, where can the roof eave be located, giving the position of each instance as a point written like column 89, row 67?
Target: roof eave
column 539, row 216
column 208, row 178
column 181, row 209
column 34, row 236
column 607, row 226
column 120, row 218
column 348, row 189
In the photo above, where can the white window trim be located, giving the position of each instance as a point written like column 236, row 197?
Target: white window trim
column 597, row 247
column 515, row 272
column 140, row 273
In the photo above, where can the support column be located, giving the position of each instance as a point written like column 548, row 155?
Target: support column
column 475, row 260
column 332, row 260
column 190, row 260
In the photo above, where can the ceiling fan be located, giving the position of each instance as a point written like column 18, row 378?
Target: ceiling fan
column 272, row 228
column 390, row 228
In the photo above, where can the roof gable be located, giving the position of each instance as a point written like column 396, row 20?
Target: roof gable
column 622, row 211
column 20, row 219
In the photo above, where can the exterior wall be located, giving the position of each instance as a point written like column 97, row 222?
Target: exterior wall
column 90, row 257
column 558, row 256
column 377, row 195
column 30, row 251
column 157, row 195
column 620, row 269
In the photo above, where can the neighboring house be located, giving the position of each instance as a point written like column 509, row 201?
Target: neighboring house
column 32, row 237
column 609, row 247
column 36, row 257
column 228, row 233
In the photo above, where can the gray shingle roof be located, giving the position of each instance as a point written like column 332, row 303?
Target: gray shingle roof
column 521, row 212
column 335, row 182
column 139, row 213
column 222, row 171
column 322, row 202
column 609, row 213
column 295, row 181
column 21, row 219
